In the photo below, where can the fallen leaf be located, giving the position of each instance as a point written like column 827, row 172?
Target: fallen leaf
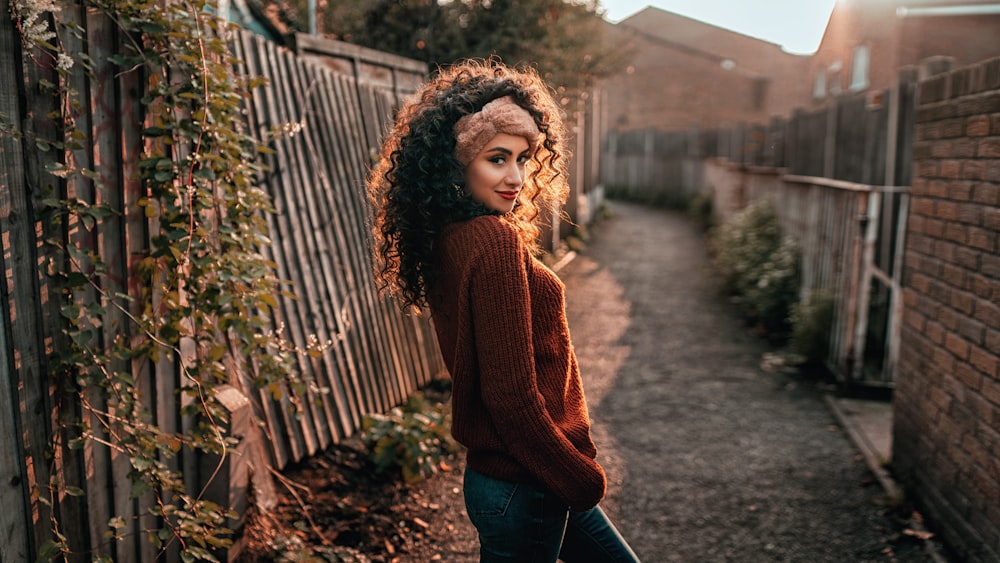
column 919, row 534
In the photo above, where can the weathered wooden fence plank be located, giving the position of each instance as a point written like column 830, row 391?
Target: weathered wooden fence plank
column 315, row 184
column 303, row 222
column 21, row 252
column 318, row 178
column 350, row 135
column 333, row 233
column 349, row 389
column 359, row 122
column 248, row 51
column 17, row 541
column 279, row 178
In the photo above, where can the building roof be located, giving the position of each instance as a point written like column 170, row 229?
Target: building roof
column 742, row 53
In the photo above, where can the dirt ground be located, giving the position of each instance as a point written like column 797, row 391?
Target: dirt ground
column 710, row 456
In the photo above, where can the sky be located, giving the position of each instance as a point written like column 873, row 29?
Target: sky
column 796, row 25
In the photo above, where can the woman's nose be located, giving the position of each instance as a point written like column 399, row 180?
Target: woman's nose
column 515, row 176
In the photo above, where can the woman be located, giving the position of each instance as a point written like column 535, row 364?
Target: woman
column 473, row 159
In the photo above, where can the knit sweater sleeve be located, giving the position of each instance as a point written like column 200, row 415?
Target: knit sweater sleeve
column 509, row 386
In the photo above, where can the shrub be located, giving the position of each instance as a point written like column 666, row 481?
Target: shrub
column 412, row 438
column 759, row 267
column 812, row 319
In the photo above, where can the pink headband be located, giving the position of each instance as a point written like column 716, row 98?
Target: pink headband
column 501, row 115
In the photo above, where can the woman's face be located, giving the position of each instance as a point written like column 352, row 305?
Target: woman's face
column 495, row 175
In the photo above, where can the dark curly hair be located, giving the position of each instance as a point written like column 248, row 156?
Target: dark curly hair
column 415, row 189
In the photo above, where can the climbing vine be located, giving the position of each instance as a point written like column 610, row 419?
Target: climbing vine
column 205, row 287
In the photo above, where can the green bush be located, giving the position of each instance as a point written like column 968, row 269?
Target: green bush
column 812, row 319
column 759, row 267
column 412, row 438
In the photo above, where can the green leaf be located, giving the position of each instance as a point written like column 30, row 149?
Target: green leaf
column 163, row 175
column 75, row 491
column 205, row 173
column 50, row 551
column 59, row 170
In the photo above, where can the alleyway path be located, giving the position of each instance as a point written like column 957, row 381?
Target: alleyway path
column 709, row 457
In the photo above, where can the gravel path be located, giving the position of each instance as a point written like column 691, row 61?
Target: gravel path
column 709, row 457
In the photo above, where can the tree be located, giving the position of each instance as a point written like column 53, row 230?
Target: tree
column 568, row 41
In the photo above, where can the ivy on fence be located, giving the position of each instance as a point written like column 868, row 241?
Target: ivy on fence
column 206, row 289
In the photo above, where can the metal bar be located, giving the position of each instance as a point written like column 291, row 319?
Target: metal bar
column 841, row 184
column 864, row 291
column 970, row 10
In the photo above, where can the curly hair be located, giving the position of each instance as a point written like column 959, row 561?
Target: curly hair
column 415, row 188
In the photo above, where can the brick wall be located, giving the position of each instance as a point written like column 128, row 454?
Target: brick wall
column 686, row 73
column 674, row 92
column 946, row 431
column 896, row 41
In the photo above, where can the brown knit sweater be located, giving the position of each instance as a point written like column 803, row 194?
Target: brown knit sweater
column 517, row 399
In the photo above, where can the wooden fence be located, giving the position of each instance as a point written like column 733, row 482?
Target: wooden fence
column 655, row 166
column 844, row 195
column 838, row 179
column 864, row 138
column 850, row 237
column 320, row 244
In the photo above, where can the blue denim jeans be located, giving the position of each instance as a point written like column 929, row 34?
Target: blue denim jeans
column 518, row 522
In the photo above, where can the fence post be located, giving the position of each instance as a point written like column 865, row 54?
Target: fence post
column 906, row 105
column 692, row 162
column 609, row 169
column 830, row 141
column 792, row 146
column 738, row 144
column 15, row 523
column 899, row 138
column 243, row 474
column 932, row 66
column 648, row 158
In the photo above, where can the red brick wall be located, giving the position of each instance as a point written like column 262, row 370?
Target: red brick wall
column 946, row 435
column 686, row 73
column 896, row 41
column 968, row 39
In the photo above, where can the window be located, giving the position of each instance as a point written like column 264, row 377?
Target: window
column 834, row 81
column 819, row 84
column 859, row 70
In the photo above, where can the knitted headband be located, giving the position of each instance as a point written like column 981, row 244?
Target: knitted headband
column 501, row 115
